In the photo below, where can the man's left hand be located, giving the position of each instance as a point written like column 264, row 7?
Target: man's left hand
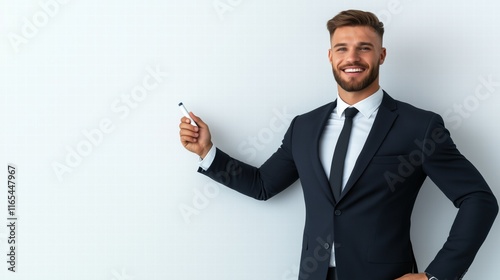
column 413, row 276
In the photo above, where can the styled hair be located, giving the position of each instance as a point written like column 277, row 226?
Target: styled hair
column 355, row 18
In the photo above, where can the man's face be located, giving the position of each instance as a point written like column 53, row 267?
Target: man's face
column 356, row 54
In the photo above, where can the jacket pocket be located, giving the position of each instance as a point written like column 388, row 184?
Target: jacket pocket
column 396, row 159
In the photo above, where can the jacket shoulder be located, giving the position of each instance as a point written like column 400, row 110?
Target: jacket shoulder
column 408, row 111
column 317, row 113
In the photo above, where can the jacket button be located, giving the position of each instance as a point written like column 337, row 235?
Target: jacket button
column 338, row 213
column 327, row 246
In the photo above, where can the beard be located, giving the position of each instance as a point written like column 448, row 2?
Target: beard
column 353, row 86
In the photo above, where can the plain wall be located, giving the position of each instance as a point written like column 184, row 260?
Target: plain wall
column 88, row 104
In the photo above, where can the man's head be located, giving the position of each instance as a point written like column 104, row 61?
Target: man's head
column 356, row 52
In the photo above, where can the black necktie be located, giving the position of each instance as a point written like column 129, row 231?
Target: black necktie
column 337, row 169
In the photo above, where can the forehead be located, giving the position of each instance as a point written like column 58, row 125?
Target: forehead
column 355, row 35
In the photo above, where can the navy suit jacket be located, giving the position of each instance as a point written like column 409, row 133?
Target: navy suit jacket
column 369, row 225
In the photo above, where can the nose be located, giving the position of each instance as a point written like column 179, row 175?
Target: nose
column 352, row 56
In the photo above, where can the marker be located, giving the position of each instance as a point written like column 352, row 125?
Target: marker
column 186, row 114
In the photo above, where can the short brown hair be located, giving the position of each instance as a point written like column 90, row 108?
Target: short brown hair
column 355, row 18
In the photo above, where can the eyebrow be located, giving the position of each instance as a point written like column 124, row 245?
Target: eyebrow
column 359, row 44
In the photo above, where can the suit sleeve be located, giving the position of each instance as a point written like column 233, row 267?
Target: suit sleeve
column 262, row 183
column 462, row 183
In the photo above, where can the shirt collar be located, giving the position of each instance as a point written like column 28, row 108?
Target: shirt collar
column 366, row 106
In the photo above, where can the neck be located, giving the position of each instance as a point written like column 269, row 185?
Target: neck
column 353, row 97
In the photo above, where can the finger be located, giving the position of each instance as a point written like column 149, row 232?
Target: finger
column 198, row 120
column 185, row 140
column 185, row 120
column 187, row 125
column 189, row 133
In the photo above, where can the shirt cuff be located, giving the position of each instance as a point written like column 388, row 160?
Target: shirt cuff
column 209, row 158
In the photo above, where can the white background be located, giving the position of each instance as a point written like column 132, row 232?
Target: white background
column 115, row 211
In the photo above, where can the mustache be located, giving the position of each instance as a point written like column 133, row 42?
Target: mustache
column 356, row 64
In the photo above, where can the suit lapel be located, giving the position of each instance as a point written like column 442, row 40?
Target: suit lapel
column 384, row 120
column 315, row 159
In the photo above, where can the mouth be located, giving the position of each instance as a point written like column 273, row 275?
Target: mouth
column 353, row 70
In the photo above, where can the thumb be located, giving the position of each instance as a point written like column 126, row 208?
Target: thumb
column 197, row 120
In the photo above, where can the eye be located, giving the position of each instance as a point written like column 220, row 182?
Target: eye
column 341, row 49
column 365, row 49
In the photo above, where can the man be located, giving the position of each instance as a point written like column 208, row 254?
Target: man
column 361, row 170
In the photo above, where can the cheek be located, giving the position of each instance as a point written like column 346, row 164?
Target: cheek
column 379, row 59
column 372, row 60
column 336, row 61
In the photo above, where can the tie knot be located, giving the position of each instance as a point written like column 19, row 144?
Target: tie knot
column 350, row 112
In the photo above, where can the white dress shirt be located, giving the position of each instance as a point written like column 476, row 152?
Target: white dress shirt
column 361, row 126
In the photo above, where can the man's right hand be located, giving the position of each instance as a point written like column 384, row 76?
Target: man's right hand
column 196, row 139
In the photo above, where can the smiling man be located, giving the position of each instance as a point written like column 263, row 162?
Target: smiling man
column 348, row 156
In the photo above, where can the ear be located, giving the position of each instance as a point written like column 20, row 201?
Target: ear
column 383, row 54
column 330, row 58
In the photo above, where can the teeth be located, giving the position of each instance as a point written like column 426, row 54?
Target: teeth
column 353, row 70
